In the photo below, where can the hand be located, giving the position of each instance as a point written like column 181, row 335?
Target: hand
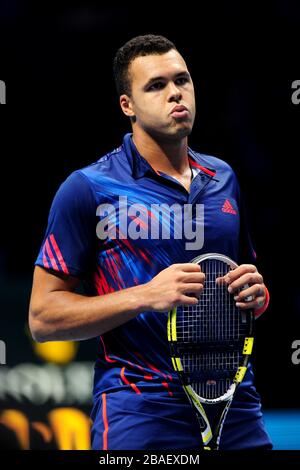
column 246, row 274
column 170, row 288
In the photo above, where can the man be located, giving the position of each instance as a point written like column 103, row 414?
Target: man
column 100, row 233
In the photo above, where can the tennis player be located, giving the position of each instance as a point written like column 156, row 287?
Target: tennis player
column 126, row 227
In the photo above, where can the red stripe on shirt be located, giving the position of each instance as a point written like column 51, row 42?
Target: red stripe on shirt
column 146, row 377
column 107, row 358
column 51, row 256
column 101, row 283
column 205, row 170
column 45, row 262
column 59, row 255
column 152, row 367
column 166, row 385
column 126, row 381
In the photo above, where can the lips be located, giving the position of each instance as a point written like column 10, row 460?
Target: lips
column 180, row 112
column 178, row 109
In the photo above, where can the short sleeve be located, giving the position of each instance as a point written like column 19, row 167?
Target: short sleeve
column 69, row 242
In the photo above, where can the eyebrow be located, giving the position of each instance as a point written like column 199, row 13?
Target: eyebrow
column 155, row 79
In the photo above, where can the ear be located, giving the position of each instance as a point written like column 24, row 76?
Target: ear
column 126, row 106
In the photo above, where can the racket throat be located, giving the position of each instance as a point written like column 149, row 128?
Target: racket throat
column 212, row 425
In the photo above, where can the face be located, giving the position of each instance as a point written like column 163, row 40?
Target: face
column 162, row 97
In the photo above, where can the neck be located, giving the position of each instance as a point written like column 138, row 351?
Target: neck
column 170, row 157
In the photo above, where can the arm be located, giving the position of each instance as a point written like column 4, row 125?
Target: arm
column 57, row 313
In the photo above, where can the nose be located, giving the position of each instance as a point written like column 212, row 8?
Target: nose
column 174, row 93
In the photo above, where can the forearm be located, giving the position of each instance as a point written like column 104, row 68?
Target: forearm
column 65, row 316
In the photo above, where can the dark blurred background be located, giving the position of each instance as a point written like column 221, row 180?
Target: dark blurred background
column 62, row 113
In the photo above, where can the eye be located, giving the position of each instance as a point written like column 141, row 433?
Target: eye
column 156, row 86
column 182, row 80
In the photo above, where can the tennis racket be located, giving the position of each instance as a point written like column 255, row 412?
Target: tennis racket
column 210, row 345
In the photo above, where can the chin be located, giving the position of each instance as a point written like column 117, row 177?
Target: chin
column 183, row 132
column 171, row 134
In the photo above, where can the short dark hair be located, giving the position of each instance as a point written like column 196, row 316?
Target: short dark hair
column 136, row 47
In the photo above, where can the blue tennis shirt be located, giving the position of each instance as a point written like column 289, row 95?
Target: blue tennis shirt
column 116, row 224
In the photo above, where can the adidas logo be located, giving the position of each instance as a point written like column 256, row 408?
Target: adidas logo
column 227, row 207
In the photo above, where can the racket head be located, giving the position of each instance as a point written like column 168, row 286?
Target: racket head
column 210, row 343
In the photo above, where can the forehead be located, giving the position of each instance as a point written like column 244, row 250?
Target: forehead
column 166, row 65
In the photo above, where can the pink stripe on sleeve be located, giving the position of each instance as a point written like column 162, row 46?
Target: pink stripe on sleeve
column 45, row 262
column 50, row 254
column 58, row 254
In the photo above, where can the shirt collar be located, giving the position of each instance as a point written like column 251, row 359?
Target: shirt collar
column 140, row 166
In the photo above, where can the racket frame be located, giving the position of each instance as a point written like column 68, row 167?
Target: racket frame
column 197, row 401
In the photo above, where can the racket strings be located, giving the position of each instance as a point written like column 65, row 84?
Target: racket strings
column 212, row 361
column 215, row 318
column 212, row 391
column 214, row 322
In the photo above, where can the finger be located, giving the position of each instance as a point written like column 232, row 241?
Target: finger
column 186, row 300
column 249, row 278
column 255, row 304
column 257, row 290
column 189, row 267
column 234, row 274
column 194, row 277
column 261, row 301
column 194, row 288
